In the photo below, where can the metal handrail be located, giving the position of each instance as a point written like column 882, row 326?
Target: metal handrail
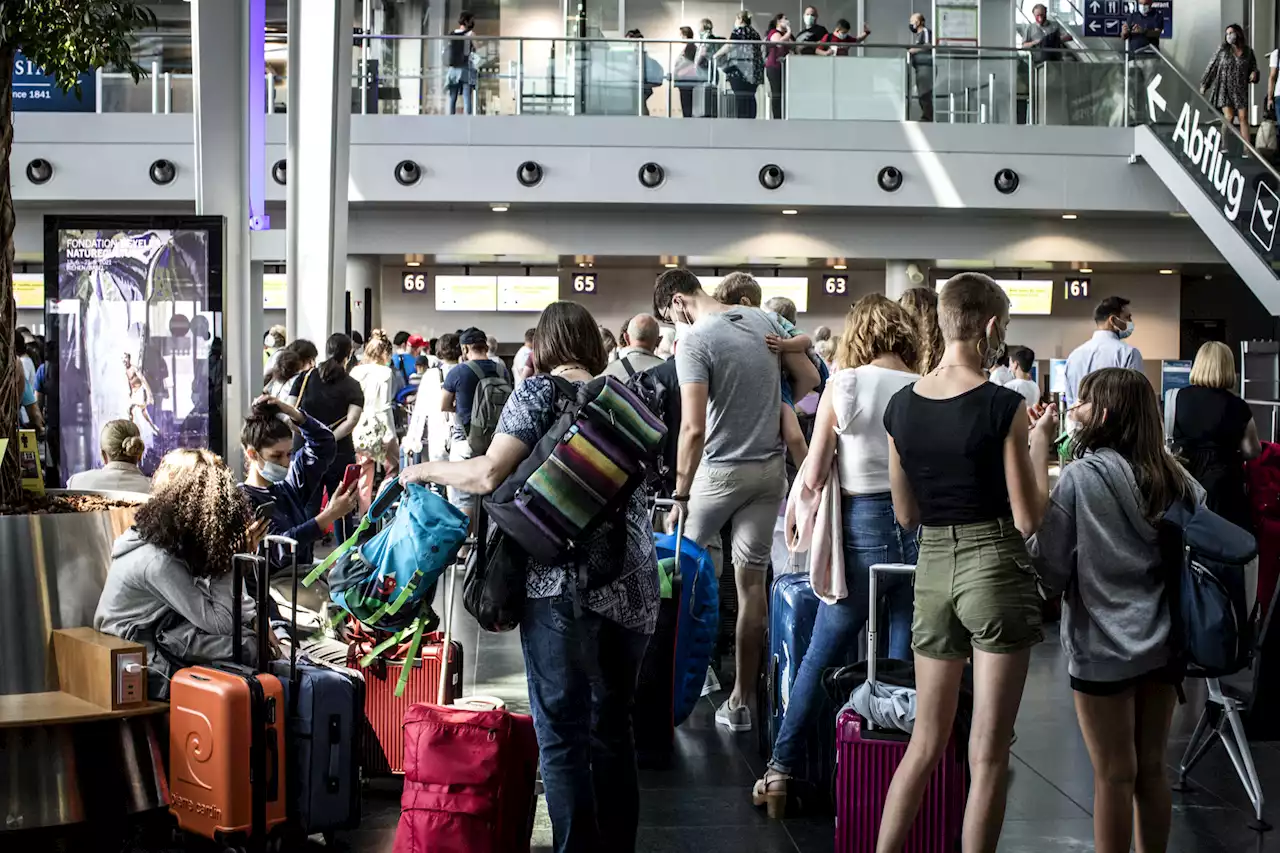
column 1274, row 406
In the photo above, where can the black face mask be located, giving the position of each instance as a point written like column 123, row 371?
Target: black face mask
column 912, row 27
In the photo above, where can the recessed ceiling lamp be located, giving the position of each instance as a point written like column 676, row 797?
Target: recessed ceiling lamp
column 1069, row 216
column 789, row 212
column 839, row 266
column 500, row 207
column 1086, row 270
column 414, row 260
column 1166, row 272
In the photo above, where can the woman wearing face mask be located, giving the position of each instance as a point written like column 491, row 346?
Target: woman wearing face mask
column 290, row 484
column 780, row 38
column 743, row 65
column 1226, row 81
column 687, row 76
column 963, row 468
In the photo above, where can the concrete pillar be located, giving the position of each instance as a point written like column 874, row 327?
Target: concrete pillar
column 901, row 276
column 364, row 271
column 318, row 156
column 220, row 60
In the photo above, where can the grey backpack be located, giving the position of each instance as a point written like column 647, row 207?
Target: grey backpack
column 486, row 406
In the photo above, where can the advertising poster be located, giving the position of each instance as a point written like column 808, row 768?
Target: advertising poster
column 136, row 309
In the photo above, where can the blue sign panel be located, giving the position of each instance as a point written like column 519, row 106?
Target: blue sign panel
column 1173, row 375
column 35, row 91
column 1106, row 18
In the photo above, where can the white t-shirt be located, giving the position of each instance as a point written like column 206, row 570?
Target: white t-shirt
column 1028, row 389
column 1001, row 375
column 860, row 396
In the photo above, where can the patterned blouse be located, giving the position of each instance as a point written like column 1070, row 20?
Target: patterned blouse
column 632, row 599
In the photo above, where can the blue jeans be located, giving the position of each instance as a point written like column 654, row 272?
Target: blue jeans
column 871, row 535
column 582, row 675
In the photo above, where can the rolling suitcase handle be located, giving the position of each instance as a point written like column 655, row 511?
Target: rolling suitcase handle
column 450, row 596
column 292, row 545
column 237, row 612
column 872, row 616
column 669, row 504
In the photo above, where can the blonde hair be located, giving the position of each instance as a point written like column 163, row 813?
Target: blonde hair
column 1214, row 367
column 783, row 307
column 826, row 349
column 921, row 305
column 739, row 288
column 121, row 441
column 379, row 346
column 967, row 303
column 197, row 513
column 876, row 326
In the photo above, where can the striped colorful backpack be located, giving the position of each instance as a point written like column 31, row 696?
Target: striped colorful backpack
column 599, row 449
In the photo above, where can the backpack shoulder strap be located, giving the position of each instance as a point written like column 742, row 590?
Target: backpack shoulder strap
column 1170, row 412
column 626, row 365
column 474, row 368
column 303, row 390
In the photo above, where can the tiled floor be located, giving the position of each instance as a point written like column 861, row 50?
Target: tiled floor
column 702, row 804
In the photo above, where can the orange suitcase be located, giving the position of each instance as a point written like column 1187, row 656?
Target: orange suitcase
column 226, row 742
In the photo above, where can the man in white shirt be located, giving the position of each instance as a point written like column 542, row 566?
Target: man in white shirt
column 1107, row 347
column 522, row 355
column 644, row 333
column 1024, row 360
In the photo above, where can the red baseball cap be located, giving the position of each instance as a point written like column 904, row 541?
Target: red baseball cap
column 417, row 341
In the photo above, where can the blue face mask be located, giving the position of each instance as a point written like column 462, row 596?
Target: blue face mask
column 1126, row 331
column 272, row 473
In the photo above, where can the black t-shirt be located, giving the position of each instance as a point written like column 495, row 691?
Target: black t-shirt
column 1208, row 427
column 328, row 403
column 953, row 451
column 809, row 37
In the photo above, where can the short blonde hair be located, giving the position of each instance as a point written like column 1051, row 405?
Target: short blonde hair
column 966, row 304
column 876, row 326
column 739, row 288
column 1214, row 366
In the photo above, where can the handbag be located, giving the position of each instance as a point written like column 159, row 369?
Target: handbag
column 493, row 590
column 1266, row 140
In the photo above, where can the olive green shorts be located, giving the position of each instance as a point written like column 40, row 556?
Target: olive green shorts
column 974, row 589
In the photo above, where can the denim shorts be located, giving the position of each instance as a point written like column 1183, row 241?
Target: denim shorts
column 975, row 589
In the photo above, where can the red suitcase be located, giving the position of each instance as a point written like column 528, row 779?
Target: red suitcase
column 226, row 739
column 865, row 763
column 469, row 781
column 382, row 744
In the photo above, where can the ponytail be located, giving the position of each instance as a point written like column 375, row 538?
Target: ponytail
column 337, row 353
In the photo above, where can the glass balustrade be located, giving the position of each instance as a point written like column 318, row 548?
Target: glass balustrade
column 412, row 75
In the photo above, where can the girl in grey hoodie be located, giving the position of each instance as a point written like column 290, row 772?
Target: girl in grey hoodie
column 1098, row 545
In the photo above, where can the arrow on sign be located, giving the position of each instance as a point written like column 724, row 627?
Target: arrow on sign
column 1093, row 26
column 1154, row 98
column 1095, row 6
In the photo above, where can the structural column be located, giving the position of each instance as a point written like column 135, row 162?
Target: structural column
column 220, row 60
column 364, row 272
column 320, row 87
column 901, row 276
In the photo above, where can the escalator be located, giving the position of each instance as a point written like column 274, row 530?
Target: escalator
column 1227, row 187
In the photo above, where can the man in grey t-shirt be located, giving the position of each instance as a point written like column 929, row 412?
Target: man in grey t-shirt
column 730, row 468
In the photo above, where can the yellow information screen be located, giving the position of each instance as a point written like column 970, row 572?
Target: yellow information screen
column 794, row 288
column 466, row 293
column 28, row 289
column 1026, row 296
column 527, row 292
column 274, row 290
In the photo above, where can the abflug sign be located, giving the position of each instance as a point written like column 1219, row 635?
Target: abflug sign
column 1202, row 147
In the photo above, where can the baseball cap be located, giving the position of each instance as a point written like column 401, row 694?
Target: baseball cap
column 417, row 341
column 472, row 337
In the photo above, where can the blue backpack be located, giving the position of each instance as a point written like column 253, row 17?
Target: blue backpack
column 699, row 621
column 1208, row 557
column 386, row 581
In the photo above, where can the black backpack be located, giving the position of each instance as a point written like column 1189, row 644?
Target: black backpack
column 1207, row 558
column 659, row 389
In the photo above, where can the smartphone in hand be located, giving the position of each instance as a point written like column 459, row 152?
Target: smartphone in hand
column 350, row 476
column 264, row 510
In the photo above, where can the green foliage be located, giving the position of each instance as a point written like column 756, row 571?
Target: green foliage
column 69, row 37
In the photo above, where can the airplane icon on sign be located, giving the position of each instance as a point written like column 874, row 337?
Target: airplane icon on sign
column 1266, row 207
column 1111, row 25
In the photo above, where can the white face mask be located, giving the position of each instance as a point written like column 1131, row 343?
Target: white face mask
column 1231, row 38
column 1126, row 331
column 271, row 472
column 810, row 20
column 1144, row 8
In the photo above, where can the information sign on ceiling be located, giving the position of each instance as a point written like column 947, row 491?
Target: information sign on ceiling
column 1107, row 18
column 527, row 292
column 795, row 288
column 466, row 292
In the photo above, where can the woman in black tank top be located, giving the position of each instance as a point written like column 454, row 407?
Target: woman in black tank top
column 961, row 470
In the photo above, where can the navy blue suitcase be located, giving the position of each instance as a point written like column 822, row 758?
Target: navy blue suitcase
column 793, row 608
column 325, row 711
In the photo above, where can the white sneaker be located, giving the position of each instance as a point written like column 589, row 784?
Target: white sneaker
column 710, row 684
column 734, row 719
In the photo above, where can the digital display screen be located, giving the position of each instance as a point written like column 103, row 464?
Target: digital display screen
column 795, row 289
column 466, row 293
column 527, row 292
column 28, row 289
column 1026, row 296
column 137, row 314
column 274, row 290
column 1058, row 376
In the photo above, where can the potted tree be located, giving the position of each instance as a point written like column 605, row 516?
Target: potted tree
column 54, row 552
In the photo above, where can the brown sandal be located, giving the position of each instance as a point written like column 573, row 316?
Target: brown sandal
column 771, row 792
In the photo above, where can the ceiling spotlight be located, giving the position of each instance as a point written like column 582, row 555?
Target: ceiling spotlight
column 408, row 173
column 162, row 172
column 839, row 266
column 1007, row 181
column 1069, row 216
column 772, row 176
column 279, row 172
column 1166, row 272
column 413, row 263
column 889, row 179
column 499, row 208
column 790, row 212
column 671, row 266
column 652, row 176
column 529, row 174
column 1086, row 270
column 39, row 171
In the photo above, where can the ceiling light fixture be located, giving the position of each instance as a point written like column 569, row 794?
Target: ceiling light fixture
column 1166, row 272
column 1086, row 270
column 499, row 208
column 1069, row 216
column 839, row 267
column 789, row 212
column 412, row 263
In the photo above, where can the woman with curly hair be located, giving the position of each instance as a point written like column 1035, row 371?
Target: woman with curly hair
column 169, row 587
column 922, row 304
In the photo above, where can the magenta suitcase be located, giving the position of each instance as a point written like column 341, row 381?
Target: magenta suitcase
column 865, row 764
